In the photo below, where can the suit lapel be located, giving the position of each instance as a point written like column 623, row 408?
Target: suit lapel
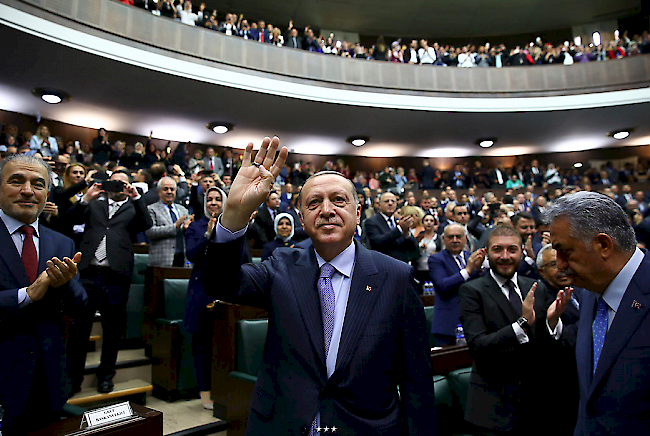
column 494, row 291
column 626, row 321
column 451, row 261
column 11, row 257
column 584, row 345
column 360, row 305
column 46, row 248
column 304, row 278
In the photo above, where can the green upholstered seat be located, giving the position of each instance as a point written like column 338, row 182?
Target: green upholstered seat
column 135, row 312
column 428, row 313
column 140, row 262
column 459, row 382
column 251, row 338
column 175, row 293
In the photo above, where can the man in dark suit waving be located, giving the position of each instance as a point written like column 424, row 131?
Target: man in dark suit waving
column 596, row 247
column 499, row 318
column 345, row 324
column 38, row 269
column 449, row 269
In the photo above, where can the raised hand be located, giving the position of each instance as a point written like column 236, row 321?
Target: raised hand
column 253, row 183
column 92, row 192
column 527, row 309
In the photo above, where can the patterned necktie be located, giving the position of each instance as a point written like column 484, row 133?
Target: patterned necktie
column 101, row 253
column 599, row 329
column 513, row 296
column 172, row 214
column 30, row 259
column 327, row 303
column 391, row 223
column 461, row 261
column 180, row 239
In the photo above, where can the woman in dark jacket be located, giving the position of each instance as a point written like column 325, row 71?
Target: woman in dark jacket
column 283, row 225
column 197, row 321
column 102, row 149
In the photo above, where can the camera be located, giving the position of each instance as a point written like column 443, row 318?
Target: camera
column 113, row 186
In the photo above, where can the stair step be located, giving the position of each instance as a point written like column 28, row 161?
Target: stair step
column 124, row 389
column 203, row 430
column 125, row 359
column 94, row 338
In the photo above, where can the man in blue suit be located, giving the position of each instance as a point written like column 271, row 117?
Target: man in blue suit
column 596, row 247
column 346, row 327
column 449, row 269
column 38, row 280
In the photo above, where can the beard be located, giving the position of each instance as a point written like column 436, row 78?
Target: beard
column 505, row 268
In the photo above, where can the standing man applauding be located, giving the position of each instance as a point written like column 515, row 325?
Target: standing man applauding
column 346, row 349
column 38, row 279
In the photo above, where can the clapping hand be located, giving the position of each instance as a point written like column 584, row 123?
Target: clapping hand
column 527, row 309
column 253, row 183
column 557, row 307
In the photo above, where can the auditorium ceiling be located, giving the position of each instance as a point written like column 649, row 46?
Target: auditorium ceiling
column 130, row 99
column 438, row 18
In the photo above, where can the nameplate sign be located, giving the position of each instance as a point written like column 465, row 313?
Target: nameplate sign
column 108, row 415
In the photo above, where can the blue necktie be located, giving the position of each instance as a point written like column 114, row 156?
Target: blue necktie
column 391, row 223
column 599, row 329
column 327, row 304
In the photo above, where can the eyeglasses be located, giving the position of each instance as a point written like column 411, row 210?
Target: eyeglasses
column 551, row 264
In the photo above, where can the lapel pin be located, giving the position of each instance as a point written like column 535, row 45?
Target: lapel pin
column 368, row 288
column 636, row 305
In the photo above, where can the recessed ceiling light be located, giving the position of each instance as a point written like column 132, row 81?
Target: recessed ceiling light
column 577, row 165
column 621, row 135
column 486, row 142
column 358, row 141
column 220, row 127
column 51, row 96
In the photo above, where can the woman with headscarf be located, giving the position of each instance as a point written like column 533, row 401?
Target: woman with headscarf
column 197, row 321
column 283, row 225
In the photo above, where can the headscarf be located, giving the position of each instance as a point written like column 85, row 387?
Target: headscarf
column 224, row 197
column 278, row 217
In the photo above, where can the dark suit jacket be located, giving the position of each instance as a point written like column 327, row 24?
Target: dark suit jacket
column 494, row 180
column 121, row 231
column 34, row 332
column 390, row 241
column 288, row 41
column 446, row 278
column 616, row 399
column 383, row 345
column 502, row 386
column 265, row 223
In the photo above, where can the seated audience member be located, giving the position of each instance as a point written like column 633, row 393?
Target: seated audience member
column 388, row 235
column 563, row 352
column 284, row 225
column 198, row 322
column 112, row 221
column 169, row 222
column 514, row 182
column 448, row 270
column 596, row 245
column 34, row 295
column 525, row 225
column 498, row 316
column 429, row 242
column 43, row 143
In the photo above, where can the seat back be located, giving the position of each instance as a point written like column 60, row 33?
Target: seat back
column 459, row 382
column 444, row 404
column 428, row 313
column 175, row 293
column 140, row 262
column 135, row 312
column 251, row 337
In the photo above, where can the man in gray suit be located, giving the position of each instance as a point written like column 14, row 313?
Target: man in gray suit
column 170, row 220
column 213, row 162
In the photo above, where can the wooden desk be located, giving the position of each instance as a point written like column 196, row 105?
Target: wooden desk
column 451, row 358
column 427, row 300
column 151, row 425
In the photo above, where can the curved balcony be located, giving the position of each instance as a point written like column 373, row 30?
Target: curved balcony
column 233, row 54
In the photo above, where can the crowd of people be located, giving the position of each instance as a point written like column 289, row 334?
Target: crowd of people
column 417, row 51
column 451, row 227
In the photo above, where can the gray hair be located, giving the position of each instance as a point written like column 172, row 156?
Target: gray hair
column 353, row 189
column 591, row 213
column 159, row 187
column 540, row 255
column 26, row 159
